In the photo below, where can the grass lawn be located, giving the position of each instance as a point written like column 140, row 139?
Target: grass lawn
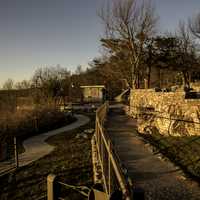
column 71, row 161
column 184, row 151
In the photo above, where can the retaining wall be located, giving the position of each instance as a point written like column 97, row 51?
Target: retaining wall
column 169, row 112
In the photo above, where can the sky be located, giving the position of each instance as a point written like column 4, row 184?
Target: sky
column 40, row 33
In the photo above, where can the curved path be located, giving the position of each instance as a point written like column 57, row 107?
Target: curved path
column 36, row 147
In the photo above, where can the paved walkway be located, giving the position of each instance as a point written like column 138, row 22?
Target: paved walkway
column 160, row 179
column 36, row 147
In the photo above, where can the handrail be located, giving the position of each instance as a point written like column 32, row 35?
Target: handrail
column 104, row 146
column 112, row 172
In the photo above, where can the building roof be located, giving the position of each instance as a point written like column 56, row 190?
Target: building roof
column 93, row 86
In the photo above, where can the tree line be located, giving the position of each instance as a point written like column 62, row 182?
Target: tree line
column 134, row 47
column 131, row 49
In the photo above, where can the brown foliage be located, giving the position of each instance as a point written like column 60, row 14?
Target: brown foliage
column 24, row 124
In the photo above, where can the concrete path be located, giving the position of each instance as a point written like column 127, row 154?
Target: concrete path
column 159, row 179
column 36, row 147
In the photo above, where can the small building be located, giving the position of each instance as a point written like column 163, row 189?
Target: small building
column 93, row 93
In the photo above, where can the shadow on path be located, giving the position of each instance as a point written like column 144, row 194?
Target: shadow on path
column 160, row 179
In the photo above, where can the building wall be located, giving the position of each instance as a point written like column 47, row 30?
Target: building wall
column 92, row 94
column 195, row 86
column 169, row 112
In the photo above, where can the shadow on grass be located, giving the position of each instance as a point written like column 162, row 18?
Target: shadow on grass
column 71, row 161
column 183, row 151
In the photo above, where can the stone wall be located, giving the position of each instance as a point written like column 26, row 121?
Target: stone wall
column 195, row 86
column 169, row 112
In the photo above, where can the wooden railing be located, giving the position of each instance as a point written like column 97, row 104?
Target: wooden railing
column 114, row 177
column 11, row 160
column 56, row 188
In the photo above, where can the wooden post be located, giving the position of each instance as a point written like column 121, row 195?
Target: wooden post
column 96, row 131
column 36, row 123
column 98, row 135
column 109, row 170
column 51, row 193
column 102, row 150
column 16, row 152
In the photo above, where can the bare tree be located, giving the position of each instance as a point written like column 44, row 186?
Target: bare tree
column 133, row 23
column 8, row 84
column 52, row 82
column 23, row 85
column 194, row 25
column 186, row 60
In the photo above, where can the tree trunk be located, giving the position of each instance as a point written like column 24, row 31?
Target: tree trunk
column 159, row 76
column 135, row 81
column 186, row 81
column 148, row 76
column 138, row 80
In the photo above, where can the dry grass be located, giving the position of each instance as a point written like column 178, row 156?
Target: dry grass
column 71, row 160
column 24, row 124
column 184, row 151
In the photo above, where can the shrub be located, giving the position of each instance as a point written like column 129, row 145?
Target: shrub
column 24, row 124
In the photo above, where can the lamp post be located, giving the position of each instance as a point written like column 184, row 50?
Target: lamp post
column 37, row 102
column 71, row 85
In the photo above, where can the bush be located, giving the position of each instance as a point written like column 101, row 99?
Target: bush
column 24, row 124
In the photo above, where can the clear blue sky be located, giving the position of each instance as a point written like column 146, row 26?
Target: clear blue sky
column 37, row 33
